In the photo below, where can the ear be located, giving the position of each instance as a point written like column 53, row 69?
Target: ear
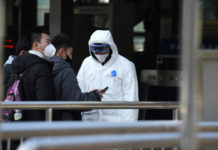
column 60, row 52
column 35, row 45
column 22, row 52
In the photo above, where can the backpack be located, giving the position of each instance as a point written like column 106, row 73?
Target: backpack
column 13, row 95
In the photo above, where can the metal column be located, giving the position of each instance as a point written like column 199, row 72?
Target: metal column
column 191, row 95
column 2, row 33
column 61, row 17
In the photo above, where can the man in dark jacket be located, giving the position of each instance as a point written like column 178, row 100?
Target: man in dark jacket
column 65, row 82
column 37, row 84
column 22, row 46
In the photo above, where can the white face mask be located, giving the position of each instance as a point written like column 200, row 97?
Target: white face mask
column 101, row 58
column 49, row 51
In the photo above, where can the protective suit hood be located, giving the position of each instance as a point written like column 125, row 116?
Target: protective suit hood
column 104, row 36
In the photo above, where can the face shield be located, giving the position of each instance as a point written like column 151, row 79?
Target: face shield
column 99, row 48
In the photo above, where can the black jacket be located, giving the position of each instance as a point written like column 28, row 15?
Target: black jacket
column 7, row 76
column 36, row 84
column 7, row 73
column 67, row 88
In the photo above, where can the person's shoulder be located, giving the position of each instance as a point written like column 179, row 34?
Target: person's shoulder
column 7, row 66
column 123, row 60
column 87, row 60
column 29, row 58
column 68, row 70
column 67, row 73
column 41, row 64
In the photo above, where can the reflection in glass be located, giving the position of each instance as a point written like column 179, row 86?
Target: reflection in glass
column 138, row 43
column 210, row 24
column 139, row 37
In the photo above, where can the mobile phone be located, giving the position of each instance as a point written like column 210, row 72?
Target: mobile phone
column 105, row 89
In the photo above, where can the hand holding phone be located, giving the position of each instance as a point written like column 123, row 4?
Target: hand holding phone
column 101, row 92
column 104, row 90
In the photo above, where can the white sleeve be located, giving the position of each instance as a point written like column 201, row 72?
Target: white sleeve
column 130, row 92
column 130, row 84
column 81, row 78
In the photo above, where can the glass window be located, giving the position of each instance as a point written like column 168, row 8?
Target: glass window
column 103, row 1
column 139, row 27
column 42, row 11
column 91, row 1
column 139, row 37
column 210, row 24
column 138, row 43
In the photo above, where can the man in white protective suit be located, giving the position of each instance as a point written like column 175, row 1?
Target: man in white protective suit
column 106, row 68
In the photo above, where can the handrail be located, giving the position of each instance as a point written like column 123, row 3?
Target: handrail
column 91, row 142
column 30, row 129
column 50, row 105
column 94, row 142
column 89, row 105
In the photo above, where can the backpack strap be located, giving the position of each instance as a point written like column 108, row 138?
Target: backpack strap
column 20, row 77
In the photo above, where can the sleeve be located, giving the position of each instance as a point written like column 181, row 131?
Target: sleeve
column 44, row 84
column 7, row 76
column 130, row 92
column 81, row 77
column 71, row 90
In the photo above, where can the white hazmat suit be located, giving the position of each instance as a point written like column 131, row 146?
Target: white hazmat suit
column 117, row 73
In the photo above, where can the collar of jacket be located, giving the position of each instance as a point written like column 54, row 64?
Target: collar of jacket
column 34, row 52
column 58, row 59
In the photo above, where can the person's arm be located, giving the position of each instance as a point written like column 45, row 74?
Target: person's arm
column 81, row 77
column 71, row 89
column 7, row 76
column 130, row 92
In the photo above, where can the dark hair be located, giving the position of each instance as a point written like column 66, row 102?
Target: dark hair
column 36, row 34
column 22, row 44
column 62, row 41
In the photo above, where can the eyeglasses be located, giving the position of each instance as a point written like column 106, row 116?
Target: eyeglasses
column 99, row 48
